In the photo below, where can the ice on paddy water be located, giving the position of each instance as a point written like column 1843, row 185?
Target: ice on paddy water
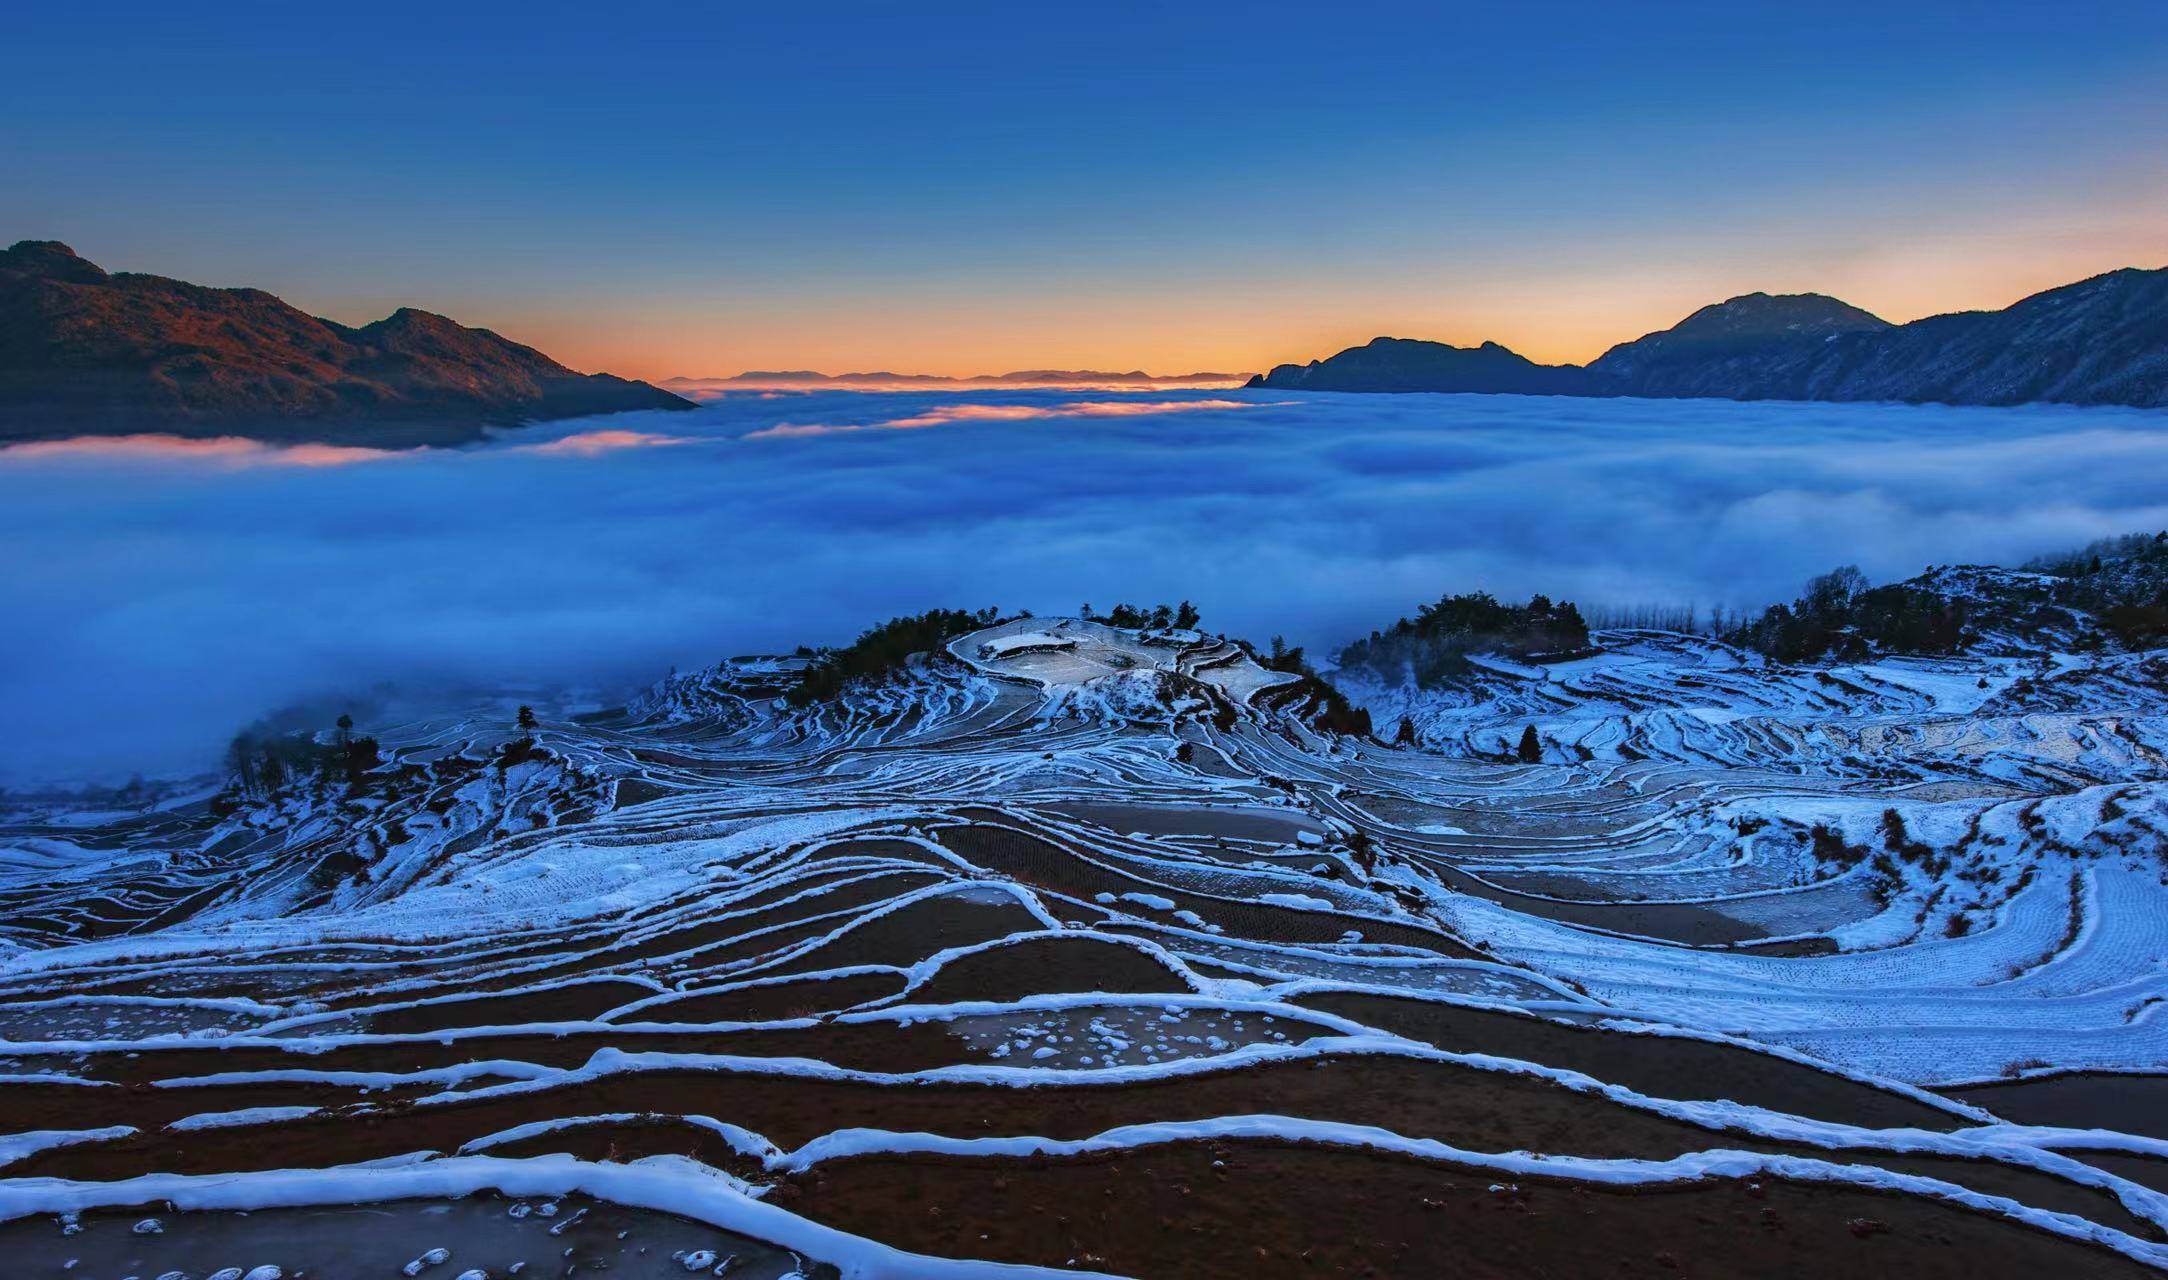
column 1465, row 977
column 1097, row 1037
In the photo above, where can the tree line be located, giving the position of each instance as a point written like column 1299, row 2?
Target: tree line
column 260, row 760
column 1158, row 617
column 882, row 651
column 2123, row 582
column 1840, row 616
column 1434, row 646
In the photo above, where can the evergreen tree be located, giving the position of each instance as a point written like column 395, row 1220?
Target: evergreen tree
column 884, row 651
column 1531, row 749
column 241, row 764
column 1434, row 646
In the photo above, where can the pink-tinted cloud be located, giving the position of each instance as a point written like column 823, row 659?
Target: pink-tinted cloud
column 234, row 452
column 222, row 451
column 591, row 444
column 707, row 389
column 945, row 415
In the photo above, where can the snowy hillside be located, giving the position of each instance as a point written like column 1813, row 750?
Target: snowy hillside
column 985, row 959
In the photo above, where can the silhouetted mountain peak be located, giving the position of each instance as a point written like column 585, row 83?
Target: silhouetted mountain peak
column 2098, row 341
column 1781, row 312
column 84, row 352
column 416, row 320
column 51, row 260
column 1749, row 321
column 1414, row 364
column 2139, row 287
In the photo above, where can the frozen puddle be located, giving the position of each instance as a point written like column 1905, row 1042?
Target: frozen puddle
column 1457, row 977
column 122, row 1018
column 482, row 1236
column 1122, row 1036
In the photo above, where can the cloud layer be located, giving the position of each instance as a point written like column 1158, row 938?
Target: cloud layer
column 969, row 411
column 158, row 596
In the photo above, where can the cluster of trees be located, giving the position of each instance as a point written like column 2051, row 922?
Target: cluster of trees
column 2140, row 626
column 2133, row 549
column 2122, row 581
column 1434, row 646
column 1645, row 616
column 1134, row 617
column 1840, row 616
column 260, row 761
column 882, row 651
column 1280, row 657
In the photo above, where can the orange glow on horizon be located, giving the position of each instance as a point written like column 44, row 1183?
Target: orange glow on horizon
column 948, row 415
column 1556, row 310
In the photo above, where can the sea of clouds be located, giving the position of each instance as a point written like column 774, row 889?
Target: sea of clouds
column 155, row 595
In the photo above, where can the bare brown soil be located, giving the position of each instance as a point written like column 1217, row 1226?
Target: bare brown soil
column 911, row 933
column 2081, row 1100
column 1046, row 965
column 1660, row 1066
column 1464, row 1107
column 575, row 1235
column 1679, row 922
column 572, row 1002
column 772, row 1001
column 1247, row 1209
column 1045, row 865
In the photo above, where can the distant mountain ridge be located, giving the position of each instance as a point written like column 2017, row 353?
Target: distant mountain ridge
column 2099, row 341
column 1027, row 377
column 87, row 352
column 1409, row 364
column 1721, row 344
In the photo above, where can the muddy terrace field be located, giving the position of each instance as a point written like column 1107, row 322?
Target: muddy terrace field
column 1088, row 950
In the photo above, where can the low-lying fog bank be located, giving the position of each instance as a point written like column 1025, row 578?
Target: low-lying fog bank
column 159, row 594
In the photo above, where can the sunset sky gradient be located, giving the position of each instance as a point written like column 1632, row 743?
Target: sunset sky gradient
column 657, row 190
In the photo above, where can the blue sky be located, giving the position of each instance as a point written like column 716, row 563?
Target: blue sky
column 952, row 188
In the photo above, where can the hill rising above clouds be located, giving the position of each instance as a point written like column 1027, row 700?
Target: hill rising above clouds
column 2099, row 341
column 84, row 351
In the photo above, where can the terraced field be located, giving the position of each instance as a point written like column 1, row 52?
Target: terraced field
column 1090, row 951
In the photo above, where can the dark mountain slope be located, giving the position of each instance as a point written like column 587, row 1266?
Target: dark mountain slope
column 1405, row 364
column 83, row 352
column 2100, row 341
column 1713, row 349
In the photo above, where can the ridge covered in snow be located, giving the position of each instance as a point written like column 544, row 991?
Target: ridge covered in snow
column 995, row 959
